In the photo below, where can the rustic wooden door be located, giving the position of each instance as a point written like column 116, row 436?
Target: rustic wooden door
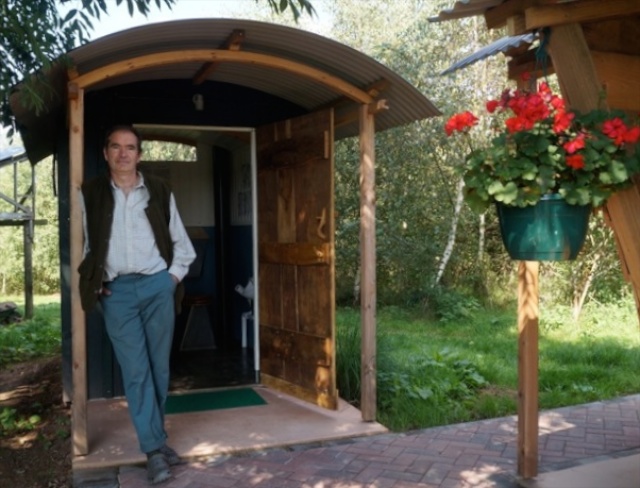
column 296, row 257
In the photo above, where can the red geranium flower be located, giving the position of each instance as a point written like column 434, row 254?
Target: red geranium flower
column 538, row 146
column 575, row 161
column 615, row 129
column 492, row 105
column 460, row 122
column 575, row 144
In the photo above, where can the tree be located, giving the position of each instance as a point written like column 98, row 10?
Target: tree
column 35, row 35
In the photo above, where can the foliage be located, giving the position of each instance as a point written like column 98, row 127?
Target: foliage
column 38, row 33
column 434, row 373
column 450, row 305
column 45, row 249
column 442, row 382
column 38, row 337
column 10, row 421
column 540, row 147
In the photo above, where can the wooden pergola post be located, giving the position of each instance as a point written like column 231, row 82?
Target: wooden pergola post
column 78, row 325
column 528, row 313
column 368, row 264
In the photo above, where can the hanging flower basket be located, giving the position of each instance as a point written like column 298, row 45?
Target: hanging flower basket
column 551, row 230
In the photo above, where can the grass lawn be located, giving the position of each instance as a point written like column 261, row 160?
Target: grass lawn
column 440, row 372
column 432, row 372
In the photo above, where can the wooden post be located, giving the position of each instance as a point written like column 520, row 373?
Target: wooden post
column 368, row 264
column 528, row 368
column 78, row 326
column 28, row 266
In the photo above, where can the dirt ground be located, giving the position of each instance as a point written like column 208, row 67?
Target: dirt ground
column 35, row 452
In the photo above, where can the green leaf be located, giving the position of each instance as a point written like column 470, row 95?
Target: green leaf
column 505, row 194
column 618, row 172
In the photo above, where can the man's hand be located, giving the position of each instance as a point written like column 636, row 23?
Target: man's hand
column 175, row 279
column 104, row 291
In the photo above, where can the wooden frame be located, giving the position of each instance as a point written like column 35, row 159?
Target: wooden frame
column 76, row 87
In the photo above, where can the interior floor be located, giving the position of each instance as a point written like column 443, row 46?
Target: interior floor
column 212, row 368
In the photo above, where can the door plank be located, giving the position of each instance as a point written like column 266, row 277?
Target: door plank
column 296, row 257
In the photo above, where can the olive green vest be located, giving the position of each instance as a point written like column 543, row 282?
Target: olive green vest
column 99, row 206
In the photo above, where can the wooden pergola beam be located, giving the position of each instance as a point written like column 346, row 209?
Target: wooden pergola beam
column 233, row 43
column 578, row 12
column 620, row 77
column 549, row 13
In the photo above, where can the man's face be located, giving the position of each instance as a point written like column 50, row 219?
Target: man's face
column 122, row 153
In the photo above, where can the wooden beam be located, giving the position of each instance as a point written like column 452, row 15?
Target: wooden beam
column 620, row 77
column 528, row 312
column 578, row 78
column 498, row 16
column 578, row 12
column 614, row 36
column 79, row 433
column 575, row 68
column 27, row 230
column 233, row 43
column 378, row 106
column 368, row 264
column 127, row 66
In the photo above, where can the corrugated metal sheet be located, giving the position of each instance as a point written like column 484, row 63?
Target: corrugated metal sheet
column 12, row 155
column 466, row 8
column 499, row 46
column 406, row 103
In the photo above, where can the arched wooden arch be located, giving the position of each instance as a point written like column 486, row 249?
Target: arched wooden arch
column 368, row 108
column 120, row 68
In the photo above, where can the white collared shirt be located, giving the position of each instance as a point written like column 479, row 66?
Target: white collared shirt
column 132, row 245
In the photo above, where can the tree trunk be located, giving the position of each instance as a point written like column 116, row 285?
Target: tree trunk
column 581, row 297
column 451, row 240
column 481, row 236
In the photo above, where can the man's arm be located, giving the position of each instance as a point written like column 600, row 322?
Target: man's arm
column 183, row 251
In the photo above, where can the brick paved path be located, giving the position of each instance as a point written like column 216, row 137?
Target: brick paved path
column 475, row 454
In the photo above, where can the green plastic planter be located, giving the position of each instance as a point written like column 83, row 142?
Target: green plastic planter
column 551, row 230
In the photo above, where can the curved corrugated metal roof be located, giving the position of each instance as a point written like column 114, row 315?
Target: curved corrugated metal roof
column 406, row 103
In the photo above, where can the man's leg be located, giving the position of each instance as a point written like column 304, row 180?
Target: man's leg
column 124, row 324
column 158, row 318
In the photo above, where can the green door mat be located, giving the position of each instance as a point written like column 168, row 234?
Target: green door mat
column 213, row 400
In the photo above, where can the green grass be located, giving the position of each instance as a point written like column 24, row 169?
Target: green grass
column 464, row 367
column 34, row 338
column 442, row 368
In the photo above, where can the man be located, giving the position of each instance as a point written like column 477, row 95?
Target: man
column 136, row 253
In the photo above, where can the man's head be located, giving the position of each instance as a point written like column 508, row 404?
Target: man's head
column 123, row 128
column 122, row 150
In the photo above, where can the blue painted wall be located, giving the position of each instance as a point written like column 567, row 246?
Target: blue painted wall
column 158, row 102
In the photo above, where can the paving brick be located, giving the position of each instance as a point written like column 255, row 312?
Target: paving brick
column 478, row 454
